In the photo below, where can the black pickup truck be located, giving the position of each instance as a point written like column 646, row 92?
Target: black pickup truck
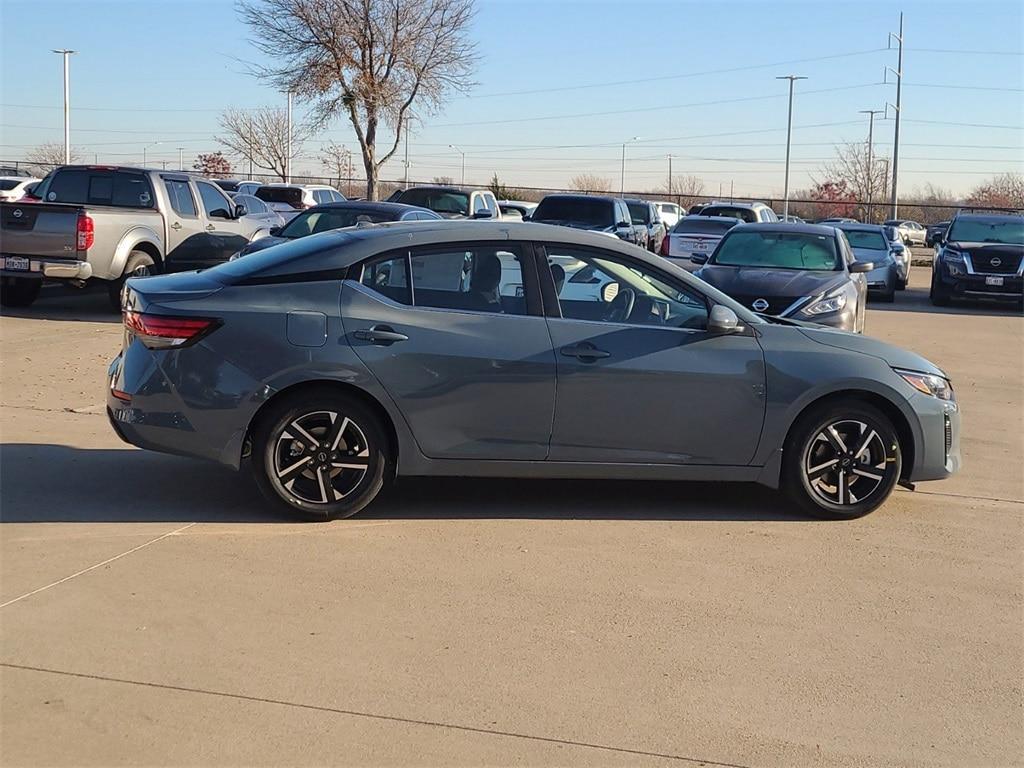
column 608, row 215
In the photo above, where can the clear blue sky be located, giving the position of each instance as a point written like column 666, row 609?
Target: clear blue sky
column 150, row 71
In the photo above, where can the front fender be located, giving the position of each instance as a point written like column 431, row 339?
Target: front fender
column 130, row 240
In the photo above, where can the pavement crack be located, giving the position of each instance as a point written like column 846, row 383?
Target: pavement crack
column 380, row 717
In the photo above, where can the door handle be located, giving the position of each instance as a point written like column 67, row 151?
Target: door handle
column 176, row 225
column 210, row 227
column 384, row 335
column 588, row 353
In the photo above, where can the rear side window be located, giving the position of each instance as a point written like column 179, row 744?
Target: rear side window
column 181, row 197
column 389, row 276
column 96, row 186
column 581, row 210
column 8, row 184
column 290, row 195
column 475, row 278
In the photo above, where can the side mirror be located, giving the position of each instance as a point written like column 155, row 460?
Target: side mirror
column 861, row 266
column 940, row 238
column 609, row 292
column 240, row 211
column 219, row 213
column 483, row 215
column 699, row 258
column 723, row 320
column 274, row 231
column 623, row 225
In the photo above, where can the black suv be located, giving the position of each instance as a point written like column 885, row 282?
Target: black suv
column 608, row 215
column 980, row 256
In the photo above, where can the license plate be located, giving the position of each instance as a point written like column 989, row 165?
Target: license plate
column 993, row 281
column 700, row 246
column 16, row 262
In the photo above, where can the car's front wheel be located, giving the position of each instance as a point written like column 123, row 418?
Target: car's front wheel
column 320, row 454
column 939, row 294
column 841, row 461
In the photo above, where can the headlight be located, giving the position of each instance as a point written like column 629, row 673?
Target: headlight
column 928, row 383
column 951, row 256
column 823, row 306
column 235, row 255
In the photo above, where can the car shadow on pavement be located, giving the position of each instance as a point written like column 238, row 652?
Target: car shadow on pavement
column 46, row 483
column 62, row 303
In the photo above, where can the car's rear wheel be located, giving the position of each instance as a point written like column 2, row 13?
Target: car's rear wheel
column 320, row 454
column 841, row 461
column 139, row 264
column 19, row 291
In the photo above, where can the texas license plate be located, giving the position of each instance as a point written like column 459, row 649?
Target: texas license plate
column 16, row 262
column 698, row 246
column 993, row 280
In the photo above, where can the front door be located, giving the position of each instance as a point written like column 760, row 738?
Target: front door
column 187, row 238
column 228, row 234
column 639, row 379
column 455, row 336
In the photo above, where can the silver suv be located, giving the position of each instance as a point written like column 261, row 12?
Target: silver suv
column 748, row 213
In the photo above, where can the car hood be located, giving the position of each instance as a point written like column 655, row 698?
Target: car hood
column 995, row 249
column 856, row 342
column 262, row 243
column 746, row 281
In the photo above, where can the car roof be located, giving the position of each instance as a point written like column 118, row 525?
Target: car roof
column 853, row 226
column 446, row 188
column 989, row 216
column 699, row 217
column 788, row 227
column 727, row 204
column 20, row 179
column 381, row 206
column 578, row 196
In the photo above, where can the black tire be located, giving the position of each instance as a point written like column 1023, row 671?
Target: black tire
column 901, row 285
column 278, row 439
column 139, row 264
column 889, row 297
column 19, row 291
column 809, row 447
column 938, row 293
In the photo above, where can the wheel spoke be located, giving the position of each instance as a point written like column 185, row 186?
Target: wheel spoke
column 843, row 489
column 865, row 473
column 313, row 442
column 323, row 478
column 337, row 429
column 832, row 435
column 289, row 473
column 865, row 442
column 815, row 472
column 354, row 464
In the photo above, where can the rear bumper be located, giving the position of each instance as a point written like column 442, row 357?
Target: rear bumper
column 53, row 269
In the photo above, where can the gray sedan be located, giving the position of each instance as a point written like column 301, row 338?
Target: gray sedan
column 870, row 245
column 331, row 363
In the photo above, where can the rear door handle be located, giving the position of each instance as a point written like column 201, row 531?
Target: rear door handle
column 176, row 225
column 210, row 227
column 384, row 335
column 585, row 352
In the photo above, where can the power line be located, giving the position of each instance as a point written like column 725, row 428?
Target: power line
column 958, row 50
column 962, row 87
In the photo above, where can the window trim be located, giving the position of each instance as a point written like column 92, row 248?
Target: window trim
column 183, row 180
column 555, row 312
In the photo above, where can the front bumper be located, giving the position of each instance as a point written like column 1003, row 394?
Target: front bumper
column 937, row 453
column 54, row 269
column 974, row 286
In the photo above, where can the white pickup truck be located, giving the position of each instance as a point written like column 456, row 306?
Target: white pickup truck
column 108, row 223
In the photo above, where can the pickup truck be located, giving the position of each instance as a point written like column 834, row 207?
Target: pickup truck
column 109, row 223
column 607, row 215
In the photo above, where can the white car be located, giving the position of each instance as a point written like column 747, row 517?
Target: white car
column 513, row 209
column 695, row 235
column 289, row 199
column 13, row 187
column 670, row 213
column 911, row 232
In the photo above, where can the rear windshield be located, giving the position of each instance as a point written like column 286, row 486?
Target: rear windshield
column 1009, row 231
column 323, row 219
column 578, row 210
column 442, row 201
column 226, row 184
column 6, row 184
column 639, row 212
column 290, row 258
column 743, row 214
column 289, row 195
column 97, row 186
column 685, row 227
column 863, row 238
column 777, row 250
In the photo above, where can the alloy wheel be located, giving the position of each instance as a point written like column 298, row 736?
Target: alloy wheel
column 847, row 462
column 320, row 457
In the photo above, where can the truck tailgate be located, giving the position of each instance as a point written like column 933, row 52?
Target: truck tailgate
column 38, row 230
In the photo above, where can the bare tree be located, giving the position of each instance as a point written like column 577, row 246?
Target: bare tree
column 850, row 168
column 444, row 181
column 337, row 159
column 1004, row 191
column 685, row 190
column 45, row 156
column 260, row 137
column 590, row 182
column 372, row 61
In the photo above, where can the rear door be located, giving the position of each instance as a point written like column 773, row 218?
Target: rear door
column 639, row 379
column 459, row 345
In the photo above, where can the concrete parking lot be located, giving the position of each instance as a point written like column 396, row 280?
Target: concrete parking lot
column 152, row 611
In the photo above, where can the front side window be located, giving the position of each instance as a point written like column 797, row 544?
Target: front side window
column 479, row 204
column 474, row 278
column 181, row 197
column 214, row 201
column 604, row 287
column 777, row 250
column 252, row 204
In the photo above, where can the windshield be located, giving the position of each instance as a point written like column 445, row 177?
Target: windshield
column 638, row 212
column 685, row 227
column 777, row 250
column 862, row 238
column 443, row 201
column 1009, row 231
column 580, row 210
column 743, row 214
column 321, row 220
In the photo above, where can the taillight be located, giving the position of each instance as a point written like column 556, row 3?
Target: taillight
column 86, row 232
column 165, row 332
column 664, row 246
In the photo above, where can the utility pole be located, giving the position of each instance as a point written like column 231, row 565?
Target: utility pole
column 406, row 151
column 147, row 146
column 288, row 150
column 731, row 186
column 622, row 177
column 66, row 53
column 871, row 146
column 181, row 159
column 893, row 192
column 789, row 143
column 452, row 146
column 670, row 175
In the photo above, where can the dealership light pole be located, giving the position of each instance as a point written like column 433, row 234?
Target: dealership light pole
column 670, row 175
column 789, row 142
column 181, row 159
column 452, row 146
column 893, row 202
column 288, row 149
column 66, row 53
column 147, row 146
column 622, row 177
column 871, row 147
